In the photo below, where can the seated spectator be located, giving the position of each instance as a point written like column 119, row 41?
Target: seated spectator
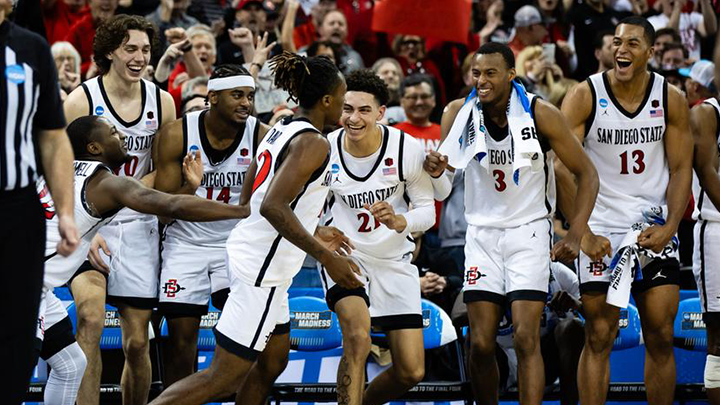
column 604, row 51
column 248, row 27
column 327, row 48
column 82, row 33
column 699, row 84
column 60, row 15
column 674, row 56
column 691, row 26
column 67, row 62
column 194, row 95
column 411, row 53
column 389, row 70
column 171, row 14
column 663, row 37
column 418, row 100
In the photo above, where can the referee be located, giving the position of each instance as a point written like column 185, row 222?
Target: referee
column 32, row 142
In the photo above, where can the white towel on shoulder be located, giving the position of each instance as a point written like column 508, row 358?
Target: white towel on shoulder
column 467, row 137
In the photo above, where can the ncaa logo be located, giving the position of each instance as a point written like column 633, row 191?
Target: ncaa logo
column 99, row 110
column 686, row 316
column 15, row 73
column 603, row 103
column 193, row 149
column 335, row 168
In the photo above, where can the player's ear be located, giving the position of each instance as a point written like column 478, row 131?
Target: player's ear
column 94, row 148
column 381, row 113
column 512, row 73
column 212, row 97
column 327, row 100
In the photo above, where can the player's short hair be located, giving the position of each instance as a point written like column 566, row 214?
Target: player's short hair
column 112, row 33
column 416, row 79
column 229, row 70
column 648, row 30
column 496, row 47
column 81, row 132
column 368, row 82
column 306, row 79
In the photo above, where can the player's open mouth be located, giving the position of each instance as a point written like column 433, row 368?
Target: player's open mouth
column 623, row 62
column 356, row 128
column 484, row 92
column 135, row 69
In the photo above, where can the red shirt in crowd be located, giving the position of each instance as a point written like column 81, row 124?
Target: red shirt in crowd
column 59, row 18
column 81, row 36
column 430, row 137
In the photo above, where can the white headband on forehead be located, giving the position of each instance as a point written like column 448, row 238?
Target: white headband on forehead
column 225, row 83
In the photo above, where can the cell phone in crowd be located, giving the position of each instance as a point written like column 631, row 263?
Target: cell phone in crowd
column 549, row 52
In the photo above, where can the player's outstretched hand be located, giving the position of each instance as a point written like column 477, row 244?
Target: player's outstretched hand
column 385, row 214
column 334, row 240
column 344, row 271
column 562, row 302
column 94, row 257
column 656, row 237
column 69, row 235
column 596, row 247
column 193, row 169
column 435, row 164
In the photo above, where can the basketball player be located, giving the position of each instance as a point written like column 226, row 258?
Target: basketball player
column 705, row 125
column 286, row 187
column 374, row 167
column 100, row 195
column 509, row 238
column 193, row 254
column 635, row 130
column 137, row 108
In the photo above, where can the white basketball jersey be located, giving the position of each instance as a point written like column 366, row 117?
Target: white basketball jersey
column 628, row 151
column 222, row 180
column 493, row 199
column 257, row 253
column 385, row 182
column 139, row 133
column 704, row 208
column 59, row 269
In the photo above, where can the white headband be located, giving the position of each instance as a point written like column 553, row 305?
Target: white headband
column 231, row 82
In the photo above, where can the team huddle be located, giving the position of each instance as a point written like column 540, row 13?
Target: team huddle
column 240, row 205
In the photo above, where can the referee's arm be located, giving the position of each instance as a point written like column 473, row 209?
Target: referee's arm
column 56, row 156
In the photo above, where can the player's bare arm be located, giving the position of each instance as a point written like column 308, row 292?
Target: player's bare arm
column 435, row 163
column 678, row 146
column 306, row 153
column 553, row 127
column 168, row 162
column 704, row 125
column 107, row 192
column 76, row 105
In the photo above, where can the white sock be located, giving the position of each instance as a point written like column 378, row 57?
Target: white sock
column 68, row 366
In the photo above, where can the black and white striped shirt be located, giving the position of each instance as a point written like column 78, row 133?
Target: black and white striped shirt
column 29, row 103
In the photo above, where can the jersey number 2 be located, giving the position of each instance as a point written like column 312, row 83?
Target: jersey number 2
column 264, row 170
column 365, row 225
column 638, row 157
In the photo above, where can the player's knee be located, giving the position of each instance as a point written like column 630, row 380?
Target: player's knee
column 273, row 367
column 356, row 344
column 136, row 347
column 481, row 348
column 526, row 342
column 659, row 340
column 90, row 322
column 600, row 336
column 411, row 375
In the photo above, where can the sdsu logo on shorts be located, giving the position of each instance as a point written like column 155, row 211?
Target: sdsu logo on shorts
column 472, row 275
column 171, row 288
column 597, row 268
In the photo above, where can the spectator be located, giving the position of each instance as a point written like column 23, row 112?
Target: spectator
column 333, row 28
column 588, row 17
column 411, row 53
column 674, row 56
column 303, row 35
column 492, row 28
column 67, row 63
column 418, row 101
column 689, row 25
column 530, row 30
column 194, row 95
column 389, row 70
column 327, row 48
column 604, row 50
column 171, row 14
column 210, row 13
column 82, row 33
column 663, row 36
column 699, row 84
column 559, row 31
column 203, row 47
column 60, row 15
column 673, row 77
column 250, row 16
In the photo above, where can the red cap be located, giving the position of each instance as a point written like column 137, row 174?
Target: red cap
column 244, row 3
